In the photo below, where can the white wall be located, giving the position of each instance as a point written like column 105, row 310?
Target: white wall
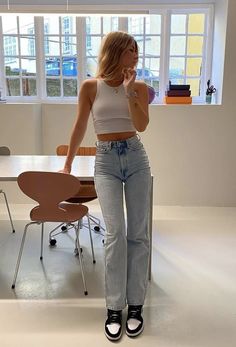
column 191, row 147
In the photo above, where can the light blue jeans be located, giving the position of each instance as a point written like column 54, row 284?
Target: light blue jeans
column 122, row 171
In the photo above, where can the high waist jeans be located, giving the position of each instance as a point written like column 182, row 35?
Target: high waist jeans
column 122, row 172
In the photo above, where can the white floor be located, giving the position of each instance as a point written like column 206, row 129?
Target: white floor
column 191, row 300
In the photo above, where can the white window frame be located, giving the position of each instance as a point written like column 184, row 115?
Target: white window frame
column 164, row 10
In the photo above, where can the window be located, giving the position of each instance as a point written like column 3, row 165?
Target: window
column 19, row 56
column 174, row 45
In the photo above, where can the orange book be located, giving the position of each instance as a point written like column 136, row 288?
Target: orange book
column 178, row 99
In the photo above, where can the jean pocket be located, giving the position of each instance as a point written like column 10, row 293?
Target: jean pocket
column 135, row 146
column 102, row 148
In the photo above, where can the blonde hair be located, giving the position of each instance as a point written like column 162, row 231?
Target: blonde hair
column 113, row 45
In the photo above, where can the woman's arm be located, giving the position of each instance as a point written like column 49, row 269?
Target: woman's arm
column 137, row 94
column 80, row 125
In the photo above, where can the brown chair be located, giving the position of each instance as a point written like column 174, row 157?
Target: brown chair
column 6, row 151
column 50, row 189
column 87, row 190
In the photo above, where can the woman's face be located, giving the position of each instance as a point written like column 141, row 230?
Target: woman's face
column 129, row 57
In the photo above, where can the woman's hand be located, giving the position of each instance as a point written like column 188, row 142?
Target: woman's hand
column 129, row 78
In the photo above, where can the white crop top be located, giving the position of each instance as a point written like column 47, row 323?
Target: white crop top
column 110, row 110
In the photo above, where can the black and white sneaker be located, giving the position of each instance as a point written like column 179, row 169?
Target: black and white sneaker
column 113, row 325
column 134, row 323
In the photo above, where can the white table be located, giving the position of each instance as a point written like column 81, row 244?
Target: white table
column 12, row 165
column 83, row 168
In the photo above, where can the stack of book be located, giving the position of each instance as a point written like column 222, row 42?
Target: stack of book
column 178, row 94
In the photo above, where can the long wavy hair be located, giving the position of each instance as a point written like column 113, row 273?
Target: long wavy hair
column 112, row 46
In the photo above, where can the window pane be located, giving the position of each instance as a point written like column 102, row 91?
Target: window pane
column 153, row 24
column 91, row 67
column 52, row 66
column 29, row 87
column 194, row 66
column 139, row 40
column 27, row 45
column 68, row 25
column 178, row 24
column 69, row 66
column 28, row 67
column 135, row 25
column 68, row 45
column 110, row 24
column 177, row 45
column 12, row 67
column 196, row 23
column 10, row 45
column 13, row 87
column 51, row 25
column 26, row 24
column 195, row 45
column 153, row 44
column 194, row 86
column 94, row 48
column 177, row 66
column 51, row 45
column 93, row 25
column 53, row 87
column 9, row 24
column 70, row 87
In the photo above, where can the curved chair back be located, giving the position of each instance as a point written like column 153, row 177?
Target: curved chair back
column 62, row 150
column 48, row 189
column 4, row 150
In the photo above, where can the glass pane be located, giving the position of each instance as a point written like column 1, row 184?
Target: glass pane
column 9, row 24
column 152, row 71
column 70, row 87
column 178, row 23
column 94, row 47
column 139, row 40
column 93, row 25
column 153, row 45
column 51, row 45
column 153, row 24
column 91, row 67
column 176, row 80
column 29, row 87
column 135, row 25
column 69, row 66
column 194, row 86
column 68, row 45
column 28, row 67
column 177, row 45
column 110, row 24
column 10, row 45
column 53, row 87
column 68, row 25
column 12, row 67
column 52, row 66
column 51, row 25
column 13, row 87
column 194, row 66
column 26, row 24
column 196, row 23
column 27, row 45
column 195, row 45
column 176, row 69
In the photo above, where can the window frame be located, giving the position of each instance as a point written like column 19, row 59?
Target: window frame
column 164, row 10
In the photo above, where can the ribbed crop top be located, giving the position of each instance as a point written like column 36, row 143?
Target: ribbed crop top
column 110, row 110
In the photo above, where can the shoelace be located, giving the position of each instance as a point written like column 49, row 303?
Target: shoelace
column 114, row 317
column 135, row 312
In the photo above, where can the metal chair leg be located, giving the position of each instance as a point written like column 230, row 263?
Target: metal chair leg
column 91, row 239
column 42, row 232
column 8, row 209
column 20, row 252
column 80, row 259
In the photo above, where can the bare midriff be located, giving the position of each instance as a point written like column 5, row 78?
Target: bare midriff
column 116, row 136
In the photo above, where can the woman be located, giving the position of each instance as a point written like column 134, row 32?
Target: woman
column 119, row 107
